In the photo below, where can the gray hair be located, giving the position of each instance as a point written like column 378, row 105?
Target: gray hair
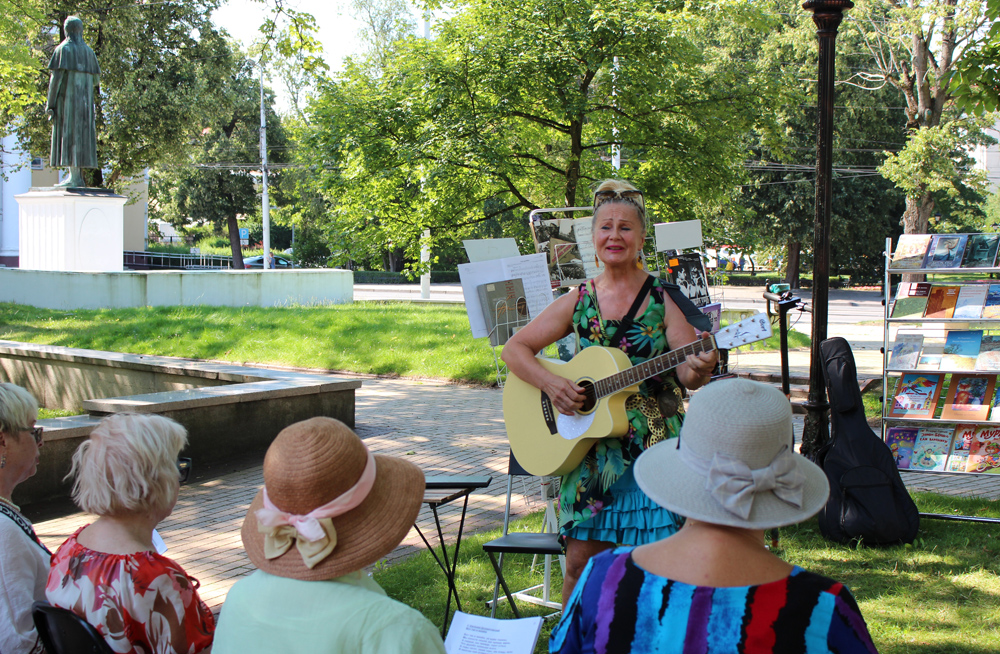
column 128, row 465
column 18, row 408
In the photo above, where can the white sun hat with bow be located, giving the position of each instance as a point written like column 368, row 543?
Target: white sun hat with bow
column 734, row 463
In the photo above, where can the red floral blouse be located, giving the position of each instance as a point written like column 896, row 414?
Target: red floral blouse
column 142, row 603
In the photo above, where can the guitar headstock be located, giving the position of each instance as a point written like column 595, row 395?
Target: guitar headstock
column 752, row 329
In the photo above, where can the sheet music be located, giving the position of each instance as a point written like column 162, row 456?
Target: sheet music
column 530, row 269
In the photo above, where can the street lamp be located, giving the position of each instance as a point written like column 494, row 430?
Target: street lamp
column 827, row 15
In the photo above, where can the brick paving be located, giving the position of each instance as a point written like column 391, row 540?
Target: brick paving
column 443, row 428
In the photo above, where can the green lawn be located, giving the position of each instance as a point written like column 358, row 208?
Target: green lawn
column 386, row 338
column 941, row 594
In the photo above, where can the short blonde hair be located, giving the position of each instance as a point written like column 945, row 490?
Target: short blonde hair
column 619, row 185
column 18, row 408
column 128, row 465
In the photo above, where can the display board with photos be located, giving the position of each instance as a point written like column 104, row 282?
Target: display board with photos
column 942, row 354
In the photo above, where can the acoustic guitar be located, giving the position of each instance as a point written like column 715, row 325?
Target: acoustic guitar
column 546, row 442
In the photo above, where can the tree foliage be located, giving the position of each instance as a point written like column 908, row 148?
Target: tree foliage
column 516, row 105
column 916, row 46
column 976, row 82
column 216, row 183
column 20, row 22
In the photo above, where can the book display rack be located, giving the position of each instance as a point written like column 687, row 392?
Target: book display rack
column 942, row 354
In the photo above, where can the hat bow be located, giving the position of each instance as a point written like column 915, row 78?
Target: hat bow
column 734, row 484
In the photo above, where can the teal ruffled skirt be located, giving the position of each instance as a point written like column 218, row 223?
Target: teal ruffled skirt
column 633, row 518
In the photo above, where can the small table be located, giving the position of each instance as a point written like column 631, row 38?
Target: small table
column 441, row 490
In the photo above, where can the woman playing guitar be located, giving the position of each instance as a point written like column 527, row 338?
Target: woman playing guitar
column 600, row 504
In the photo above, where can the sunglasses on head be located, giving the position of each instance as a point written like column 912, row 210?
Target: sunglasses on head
column 631, row 196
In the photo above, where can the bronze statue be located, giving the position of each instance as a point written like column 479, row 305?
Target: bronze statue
column 70, row 104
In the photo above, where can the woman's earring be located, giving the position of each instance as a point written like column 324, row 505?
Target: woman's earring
column 597, row 262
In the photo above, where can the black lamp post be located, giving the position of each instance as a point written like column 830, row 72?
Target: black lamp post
column 827, row 15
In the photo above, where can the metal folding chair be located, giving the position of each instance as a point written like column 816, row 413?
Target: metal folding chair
column 545, row 544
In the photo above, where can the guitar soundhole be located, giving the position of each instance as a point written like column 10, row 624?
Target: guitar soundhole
column 588, row 391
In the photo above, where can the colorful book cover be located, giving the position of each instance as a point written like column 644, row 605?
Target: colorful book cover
column 971, row 298
column 906, row 351
column 900, row 441
column 968, row 397
column 945, row 251
column 984, row 455
column 961, row 349
column 989, row 353
column 911, row 299
column 981, row 251
column 941, row 301
column 910, row 251
column 930, row 450
column 994, row 411
column 714, row 313
column 916, row 395
column 958, row 458
column 991, row 309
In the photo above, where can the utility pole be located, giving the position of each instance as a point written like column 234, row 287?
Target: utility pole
column 827, row 14
column 265, row 202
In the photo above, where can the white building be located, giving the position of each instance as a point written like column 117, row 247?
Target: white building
column 988, row 159
column 18, row 174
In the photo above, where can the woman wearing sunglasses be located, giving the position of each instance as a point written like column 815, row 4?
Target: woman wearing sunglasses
column 600, row 504
column 24, row 561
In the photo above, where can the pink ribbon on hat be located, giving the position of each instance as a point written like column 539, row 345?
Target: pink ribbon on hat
column 316, row 525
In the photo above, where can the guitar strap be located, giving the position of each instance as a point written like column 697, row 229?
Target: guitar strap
column 633, row 310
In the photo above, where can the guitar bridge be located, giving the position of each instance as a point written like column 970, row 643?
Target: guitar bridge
column 548, row 414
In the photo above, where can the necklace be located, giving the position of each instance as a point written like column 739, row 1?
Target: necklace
column 9, row 503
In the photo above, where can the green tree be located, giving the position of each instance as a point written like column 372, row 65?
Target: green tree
column 516, row 105
column 216, row 185
column 20, row 22
column 915, row 47
column 976, row 82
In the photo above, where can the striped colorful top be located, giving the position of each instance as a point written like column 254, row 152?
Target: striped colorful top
column 619, row 607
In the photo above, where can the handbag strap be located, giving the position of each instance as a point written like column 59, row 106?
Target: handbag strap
column 633, row 310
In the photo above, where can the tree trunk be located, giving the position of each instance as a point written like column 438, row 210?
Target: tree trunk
column 392, row 260
column 792, row 267
column 234, row 242
column 916, row 220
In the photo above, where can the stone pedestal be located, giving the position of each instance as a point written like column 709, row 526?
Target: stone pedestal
column 77, row 229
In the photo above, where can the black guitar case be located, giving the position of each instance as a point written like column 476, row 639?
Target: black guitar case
column 868, row 500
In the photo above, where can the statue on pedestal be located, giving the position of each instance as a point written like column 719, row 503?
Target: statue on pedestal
column 70, row 105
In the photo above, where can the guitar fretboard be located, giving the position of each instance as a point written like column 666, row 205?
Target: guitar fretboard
column 650, row 368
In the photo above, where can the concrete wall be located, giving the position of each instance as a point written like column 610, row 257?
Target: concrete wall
column 232, row 288
column 231, row 412
column 15, row 179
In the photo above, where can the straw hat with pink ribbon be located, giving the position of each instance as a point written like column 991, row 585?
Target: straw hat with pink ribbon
column 328, row 506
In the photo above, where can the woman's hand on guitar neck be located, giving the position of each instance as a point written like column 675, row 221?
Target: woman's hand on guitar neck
column 566, row 396
column 700, row 367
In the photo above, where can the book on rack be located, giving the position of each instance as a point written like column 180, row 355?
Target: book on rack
column 989, row 353
column 961, row 348
column 911, row 299
column 945, row 251
column 931, row 353
column 981, row 251
column 941, row 301
column 991, row 309
column 900, row 441
column 714, row 313
column 971, row 298
column 984, row 454
column 958, row 455
column 968, row 397
column 504, row 307
column 910, row 251
column 906, row 351
column 916, row 395
column 930, row 450
column 994, row 404
column 688, row 271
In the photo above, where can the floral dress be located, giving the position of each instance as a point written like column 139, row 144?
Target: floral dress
column 141, row 603
column 603, row 482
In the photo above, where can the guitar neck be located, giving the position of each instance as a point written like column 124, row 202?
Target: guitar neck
column 650, row 368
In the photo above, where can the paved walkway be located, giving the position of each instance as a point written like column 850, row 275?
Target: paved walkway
column 443, row 428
